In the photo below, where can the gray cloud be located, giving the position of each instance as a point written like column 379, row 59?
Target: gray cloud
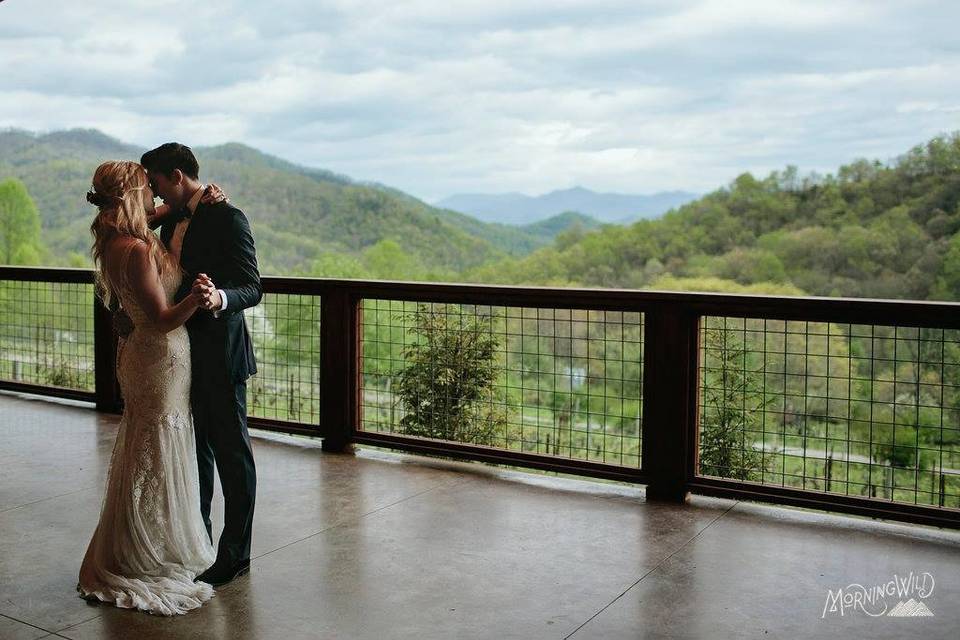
column 496, row 95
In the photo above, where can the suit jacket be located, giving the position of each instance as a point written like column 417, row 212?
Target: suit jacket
column 218, row 242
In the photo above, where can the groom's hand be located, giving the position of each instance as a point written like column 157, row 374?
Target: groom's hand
column 209, row 295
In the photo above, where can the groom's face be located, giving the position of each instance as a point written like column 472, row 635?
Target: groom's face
column 169, row 188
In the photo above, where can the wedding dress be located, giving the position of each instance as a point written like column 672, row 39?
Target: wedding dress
column 151, row 542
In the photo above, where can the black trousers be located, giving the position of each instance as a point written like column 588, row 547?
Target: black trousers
column 220, row 426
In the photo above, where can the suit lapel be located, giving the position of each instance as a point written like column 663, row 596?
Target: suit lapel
column 192, row 233
column 190, row 237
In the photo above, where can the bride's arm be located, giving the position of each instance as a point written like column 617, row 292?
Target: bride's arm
column 211, row 195
column 155, row 219
column 146, row 288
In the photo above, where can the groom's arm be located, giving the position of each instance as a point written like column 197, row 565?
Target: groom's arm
column 244, row 288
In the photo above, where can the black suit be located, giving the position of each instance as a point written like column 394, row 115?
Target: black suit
column 218, row 243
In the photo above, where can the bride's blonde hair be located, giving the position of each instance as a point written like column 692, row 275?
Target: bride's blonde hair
column 118, row 193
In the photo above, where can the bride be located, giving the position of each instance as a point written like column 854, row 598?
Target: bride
column 151, row 541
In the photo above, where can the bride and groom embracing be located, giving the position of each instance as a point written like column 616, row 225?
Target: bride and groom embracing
column 182, row 370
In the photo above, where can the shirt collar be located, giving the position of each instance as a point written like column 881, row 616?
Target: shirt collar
column 195, row 199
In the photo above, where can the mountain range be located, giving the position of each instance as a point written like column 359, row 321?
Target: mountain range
column 520, row 209
column 871, row 229
column 298, row 214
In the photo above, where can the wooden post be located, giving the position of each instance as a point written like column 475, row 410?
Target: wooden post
column 105, row 360
column 671, row 354
column 340, row 369
column 829, row 470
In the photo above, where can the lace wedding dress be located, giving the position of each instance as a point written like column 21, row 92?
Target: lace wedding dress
column 151, row 541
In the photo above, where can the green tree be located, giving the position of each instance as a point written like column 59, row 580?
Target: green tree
column 19, row 225
column 77, row 260
column 752, row 265
column 387, row 260
column 731, row 402
column 337, row 265
column 448, row 382
column 947, row 286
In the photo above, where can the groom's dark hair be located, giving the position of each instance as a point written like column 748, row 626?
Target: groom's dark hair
column 170, row 156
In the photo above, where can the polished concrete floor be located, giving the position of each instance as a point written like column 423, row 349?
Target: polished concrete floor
column 382, row 545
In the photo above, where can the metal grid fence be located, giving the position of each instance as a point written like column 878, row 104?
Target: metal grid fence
column 46, row 334
column 285, row 329
column 558, row 382
column 860, row 410
column 834, row 410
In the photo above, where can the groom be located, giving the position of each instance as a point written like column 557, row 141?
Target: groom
column 214, row 246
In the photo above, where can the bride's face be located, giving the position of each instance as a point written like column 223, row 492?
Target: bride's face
column 148, row 204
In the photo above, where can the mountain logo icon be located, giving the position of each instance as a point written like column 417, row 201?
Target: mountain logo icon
column 910, row 609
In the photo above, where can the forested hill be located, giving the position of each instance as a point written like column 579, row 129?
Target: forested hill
column 873, row 229
column 298, row 214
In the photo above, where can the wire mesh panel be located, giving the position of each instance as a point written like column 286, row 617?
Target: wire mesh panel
column 558, row 382
column 285, row 329
column 46, row 334
column 862, row 410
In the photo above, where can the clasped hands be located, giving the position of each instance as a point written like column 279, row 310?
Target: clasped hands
column 206, row 293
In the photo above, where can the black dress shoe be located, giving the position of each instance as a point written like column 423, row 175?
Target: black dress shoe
column 218, row 575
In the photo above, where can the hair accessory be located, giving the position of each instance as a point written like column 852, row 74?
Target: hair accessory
column 95, row 198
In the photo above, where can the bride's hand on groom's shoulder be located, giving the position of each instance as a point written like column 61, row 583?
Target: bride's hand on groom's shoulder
column 213, row 194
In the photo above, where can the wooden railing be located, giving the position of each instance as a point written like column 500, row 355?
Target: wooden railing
column 783, row 455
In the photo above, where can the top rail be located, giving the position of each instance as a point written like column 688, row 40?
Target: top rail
column 909, row 313
column 46, row 274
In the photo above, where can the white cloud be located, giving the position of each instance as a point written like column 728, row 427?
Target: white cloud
column 495, row 95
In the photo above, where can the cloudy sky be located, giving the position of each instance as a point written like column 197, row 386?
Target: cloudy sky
column 437, row 97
